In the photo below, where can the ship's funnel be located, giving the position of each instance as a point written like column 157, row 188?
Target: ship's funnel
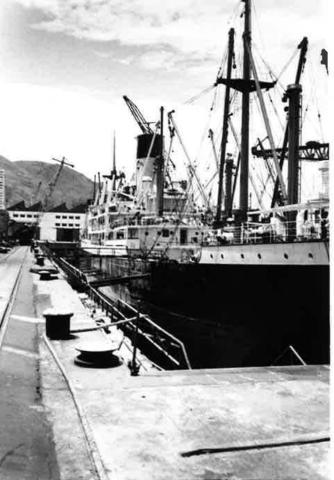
column 148, row 149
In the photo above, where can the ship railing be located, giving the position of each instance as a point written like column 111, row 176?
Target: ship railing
column 276, row 232
column 137, row 218
column 159, row 338
column 168, row 346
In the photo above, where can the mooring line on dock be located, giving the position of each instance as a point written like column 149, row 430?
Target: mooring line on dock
column 20, row 351
column 107, row 304
column 260, row 446
column 23, row 318
column 92, row 448
column 6, row 314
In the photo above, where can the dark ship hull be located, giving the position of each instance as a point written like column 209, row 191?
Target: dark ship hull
column 231, row 315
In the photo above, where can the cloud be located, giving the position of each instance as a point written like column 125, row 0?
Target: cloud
column 169, row 35
column 103, row 54
column 184, row 24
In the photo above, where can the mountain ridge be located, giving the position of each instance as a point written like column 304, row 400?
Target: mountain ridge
column 29, row 180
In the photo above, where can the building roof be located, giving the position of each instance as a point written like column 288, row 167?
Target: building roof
column 59, row 208
column 36, row 207
column 81, row 208
column 21, row 206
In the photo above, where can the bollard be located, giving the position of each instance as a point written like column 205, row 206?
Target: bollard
column 44, row 275
column 57, row 324
column 40, row 260
column 97, row 355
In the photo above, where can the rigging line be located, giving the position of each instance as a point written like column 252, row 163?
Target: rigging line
column 199, row 95
column 191, row 166
column 267, row 123
column 265, row 63
column 272, row 104
column 211, row 154
column 275, row 111
column 306, row 110
column 214, row 99
column 313, row 100
column 314, row 95
column 259, row 177
column 183, row 210
column 230, row 20
column 204, row 134
column 288, row 63
column 222, row 63
column 258, row 23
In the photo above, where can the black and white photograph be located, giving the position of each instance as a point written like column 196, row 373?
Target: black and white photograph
column 165, row 240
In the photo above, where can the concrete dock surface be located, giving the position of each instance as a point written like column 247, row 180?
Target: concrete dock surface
column 218, row 424
column 27, row 450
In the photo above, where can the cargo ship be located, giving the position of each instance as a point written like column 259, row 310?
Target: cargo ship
column 238, row 286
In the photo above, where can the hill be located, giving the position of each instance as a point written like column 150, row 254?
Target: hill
column 28, row 181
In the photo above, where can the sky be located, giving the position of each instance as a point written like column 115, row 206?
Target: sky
column 65, row 65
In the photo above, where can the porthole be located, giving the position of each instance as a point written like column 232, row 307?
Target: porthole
column 211, row 256
column 310, row 255
column 259, row 255
column 242, row 255
column 286, row 255
column 222, row 255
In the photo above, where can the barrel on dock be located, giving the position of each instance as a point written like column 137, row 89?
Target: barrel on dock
column 40, row 260
column 57, row 323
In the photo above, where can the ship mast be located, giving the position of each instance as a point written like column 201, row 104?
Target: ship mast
column 244, row 158
column 225, row 126
column 161, row 168
column 246, row 85
column 113, row 173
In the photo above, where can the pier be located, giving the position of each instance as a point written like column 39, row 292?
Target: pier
column 64, row 420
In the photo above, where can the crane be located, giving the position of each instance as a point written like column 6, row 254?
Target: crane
column 259, row 151
column 53, row 183
column 144, row 125
column 51, row 186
